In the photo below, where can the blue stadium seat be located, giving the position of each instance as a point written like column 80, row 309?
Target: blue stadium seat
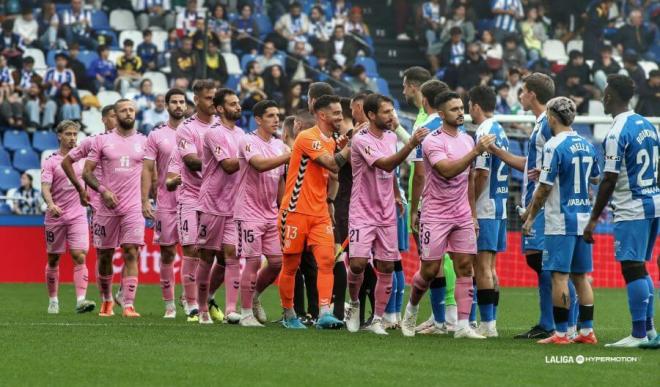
column 369, row 65
column 383, row 87
column 60, row 7
column 313, row 61
column 583, row 130
column 264, row 24
column 100, row 20
column 44, row 139
column 5, row 161
column 50, row 57
column 9, row 178
column 87, row 57
column 245, row 59
column 15, row 140
column 111, row 37
column 232, row 82
column 5, row 209
column 252, row 126
column 25, row 159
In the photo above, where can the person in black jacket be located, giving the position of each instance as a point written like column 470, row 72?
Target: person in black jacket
column 649, row 96
column 471, row 69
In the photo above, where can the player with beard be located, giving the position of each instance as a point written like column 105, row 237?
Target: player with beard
column 372, row 214
column 217, row 196
column 160, row 144
column 119, row 221
column 448, row 221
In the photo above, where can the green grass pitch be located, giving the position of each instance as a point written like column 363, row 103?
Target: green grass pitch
column 69, row 349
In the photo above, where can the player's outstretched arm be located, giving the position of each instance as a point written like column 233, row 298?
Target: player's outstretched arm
column 452, row 168
column 230, row 166
column 418, row 181
column 264, row 164
column 389, row 163
column 334, row 163
column 192, row 162
column 67, row 167
column 605, row 190
column 516, row 162
column 538, row 201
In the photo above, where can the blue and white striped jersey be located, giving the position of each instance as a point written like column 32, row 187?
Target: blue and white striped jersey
column 507, row 22
column 431, row 11
column 569, row 162
column 540, row 135
column 433, row 122
column 491, row 203
column 631, row 151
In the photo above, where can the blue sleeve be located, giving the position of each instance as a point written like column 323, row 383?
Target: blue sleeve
column 551, row 158
column 595, row 169
column 615, row 148
column 546, row 132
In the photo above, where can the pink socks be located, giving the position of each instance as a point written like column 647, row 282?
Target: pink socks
column 354, row 284
column 52, row 280
column 249, row 281
column 232, row 284
column 80, row 279
column 167, row 282
column 203, row 277
column 129, row 285
column 217, row 277
column 188, row 271
column 464, row 294
column 383, row 290
column 419, row 287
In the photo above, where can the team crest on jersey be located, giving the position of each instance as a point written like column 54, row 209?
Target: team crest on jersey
column 368, row 150
column 316, row 145
column 218, row 150
column 137, row 148
column 248, row 148
column 183, row 143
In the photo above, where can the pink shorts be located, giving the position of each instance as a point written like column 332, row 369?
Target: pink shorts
column 438, row 238
column 165, row 232
column 257, row 238
column 381, row 240
column 75, row 236
column 187, row 221
column 215, row 231
column 113, row 231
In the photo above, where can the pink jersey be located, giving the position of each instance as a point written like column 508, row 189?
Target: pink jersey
column 121, row 159
column 445, row 200
column 63, row 192
column 160, row 144
column 256, row 200
column 189, row 139
column 218, row 192
column 81, row 152
column 174, row 166
column 372, row 196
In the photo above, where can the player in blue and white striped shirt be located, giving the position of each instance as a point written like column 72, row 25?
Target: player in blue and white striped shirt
column 631, row 170
column 569, row 165
column 491, row 192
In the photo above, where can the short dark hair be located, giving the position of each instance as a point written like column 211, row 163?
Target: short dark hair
column 259, row 109
column 220, row 95
column 416, row 75
column 621, row 85
column 483, row 96
column 203, row 84
column 287, row 125
column 541, row 85
column 102, row 48
column 128, row 43
column 306, row 118
column 107, row 109
column 444, row 97
column 28, row 60
column 172, row 92
column 325, row 101
column 372, row 103
column 432, row 88
column 61, row 55
column 146, row 33
column 346, row 107
column 122, row 100
column 361, row 95
column 319, row 89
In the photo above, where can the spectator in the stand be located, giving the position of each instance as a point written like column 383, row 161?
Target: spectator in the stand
column 77, row 25
column 472, row 68
column 186, row 20
column 102, row 71
column 129, row 68
column 294, row 100
column 603, row 67
column 148, row 52
column 291, row 27
column 337, row 82
column 491, row 50
column 246, row 31
column 323, row 65
column 26, row 27
column 458, row 20
column 40, row 111
column 507, row 13
column 596, row 21
column 452, row 55
column 275, row 83
column 340, row 11
column 25, row 200
column 11, row 108
column 513, row 55
column 514, row 81
column 575, row 65
column 219, row 26
column 183, row 64
column 11, row 44
column 216, row 67
column 154, row 13
column 320, row 30
column 501, row 104
column 268, row 58
column 68, row 106
column 145, row 99
column 172, row 43
column 78, row 68
column 26, row 76
column 252, row 86
column 344, row 49
column 433, row 21
column 355, row 23
column 49, row 22
column 635, row 71
column 635, row 35
column 297, row 64
column 648, row 104
column 155, row 115
column 60, row 74
column 360, row 81
column 575, row 90
column 533, row 33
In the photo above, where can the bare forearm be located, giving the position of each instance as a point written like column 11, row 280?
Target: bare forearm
column 46, row 194
column 452, row 168
column 538, row 201
column 471, row 193
column 67, row 167
column 146, row 181
column 263, row 164
column 516, row 162
column 230, row 166
column 605, row 191
column 391, row 162
column 417, row 187
column 193, row 163
column 91, row 180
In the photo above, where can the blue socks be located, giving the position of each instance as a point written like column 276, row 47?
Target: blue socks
column 545, row 300
column 638, row 298
column 438, row 290
column 396, row 297
column 486, row 300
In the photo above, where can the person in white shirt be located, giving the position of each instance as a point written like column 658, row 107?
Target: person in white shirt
column 293, row 26
column 154, row 116
column 26, row 27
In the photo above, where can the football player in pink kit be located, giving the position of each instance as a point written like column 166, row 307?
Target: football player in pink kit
column 66, row 221
column 160, row 144
column 448, row 221
column 119, row 220
column 217, row 195
column 189, row 138
column 372, row 210
column 262, row 158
